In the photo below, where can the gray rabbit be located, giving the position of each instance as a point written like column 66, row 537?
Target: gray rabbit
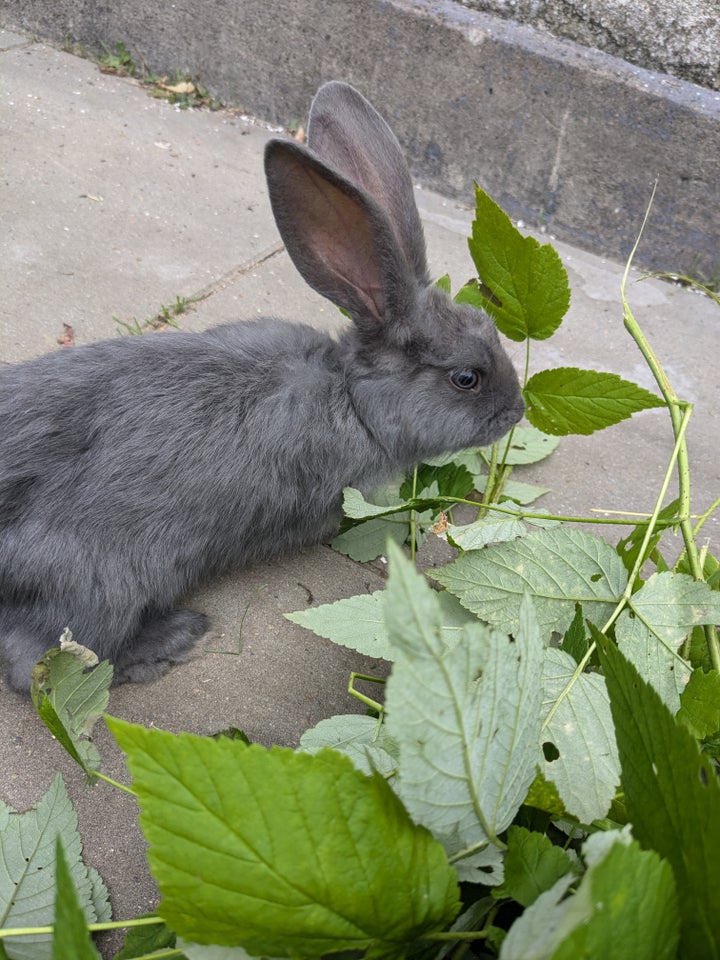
column 132, row 469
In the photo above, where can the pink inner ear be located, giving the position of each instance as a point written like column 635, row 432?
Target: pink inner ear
column 338, row 233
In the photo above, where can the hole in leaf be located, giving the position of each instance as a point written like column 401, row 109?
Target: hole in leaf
column 595, row 577
column 550, row 751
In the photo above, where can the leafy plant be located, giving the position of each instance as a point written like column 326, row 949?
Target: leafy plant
column 539, row 780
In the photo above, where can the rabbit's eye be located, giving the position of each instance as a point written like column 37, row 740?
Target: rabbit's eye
column 464, row 379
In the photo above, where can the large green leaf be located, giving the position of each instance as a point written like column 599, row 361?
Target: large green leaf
column 624, row 908
column 586, row 769
column 27, row 871
column 524, row 285
column 283, row 853
column 558, row 567
column 567, row 400
column 464, row 710
column 672, row 797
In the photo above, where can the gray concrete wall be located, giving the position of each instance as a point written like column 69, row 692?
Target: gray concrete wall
column 681, row 38
column 560, row 135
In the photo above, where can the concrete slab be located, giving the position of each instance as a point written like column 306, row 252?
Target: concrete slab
column 75, row 132
column 559, row 133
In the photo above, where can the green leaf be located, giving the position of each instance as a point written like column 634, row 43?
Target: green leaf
column 533, row 864
column 71, row 939
column 367, row 541
column 449, row 480
column 528, row 293
column 495, row 527
column 671, row 604
column 700, row 704
column 70, row 694
column 657, row 661
column 27, row 872
column 282, row 853
column 575, row 641
column 142, row 940
column 362, row 739
column 584, row 765
column 672, row 797
column 543, row 795
column 522, row 493
column 359, row 622
column 629, row 547
column 465, row 712
column 356, row 622
column 559, row 567
column 624, row 908
column 567, row 400
column 528, row 445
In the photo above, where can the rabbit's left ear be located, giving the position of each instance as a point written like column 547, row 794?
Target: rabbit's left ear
column 350, row 136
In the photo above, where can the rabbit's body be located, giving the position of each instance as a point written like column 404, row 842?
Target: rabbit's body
column 132, row 469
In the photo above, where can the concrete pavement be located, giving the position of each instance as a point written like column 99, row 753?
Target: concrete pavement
column 114, row 204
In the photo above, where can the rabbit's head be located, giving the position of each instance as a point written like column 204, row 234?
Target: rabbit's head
column 426, row 375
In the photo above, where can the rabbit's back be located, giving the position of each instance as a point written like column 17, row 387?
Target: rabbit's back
column 156, row 444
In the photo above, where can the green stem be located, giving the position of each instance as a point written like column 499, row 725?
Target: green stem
column 113, row 783
column 92, row 927
column 459, row 935
column 372, row 704
column 677, row 419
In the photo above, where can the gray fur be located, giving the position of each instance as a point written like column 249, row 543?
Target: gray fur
column 132, row 469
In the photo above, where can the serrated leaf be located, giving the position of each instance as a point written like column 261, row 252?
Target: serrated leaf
column 360, row 738
column 27, row 872
column 367, row 541
column 359, row 622
column 700, row 704
column 522, row 493
column 70, row 698
column 495, row 527
column 451, row 479
column 465, row 711
column 671, row 604
column 533, row 864
column 143, row 940
column 586, row 771
column 624, row 908
column 656, row 660
column 567, row 400
column 528, row 293
column 575, row 642
column 543, row 795
column 282, row 853
column 71, row 939
column 558, row 567
column 527, row 445
column 356, row 622
column 672, row 796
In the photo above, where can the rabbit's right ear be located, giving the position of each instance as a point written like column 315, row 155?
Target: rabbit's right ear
column 347, row 133
column 339, row 239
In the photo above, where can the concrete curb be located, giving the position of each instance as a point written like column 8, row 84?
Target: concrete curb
column 560, row 135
